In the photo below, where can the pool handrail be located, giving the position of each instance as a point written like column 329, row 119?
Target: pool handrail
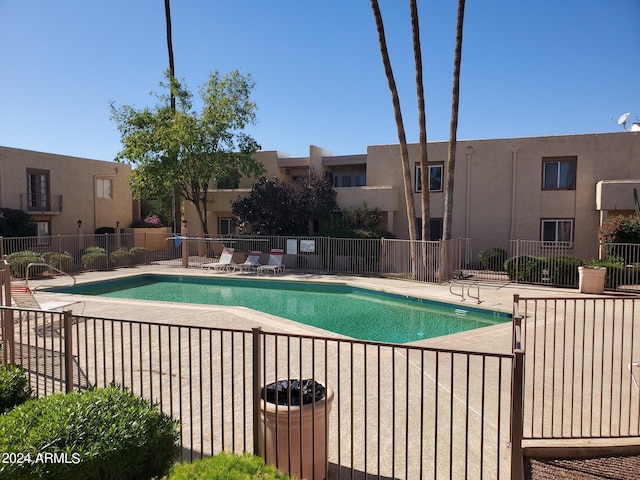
column 42, row 264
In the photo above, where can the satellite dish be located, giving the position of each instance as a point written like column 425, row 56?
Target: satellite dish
column 635, row 127
column 622, row 120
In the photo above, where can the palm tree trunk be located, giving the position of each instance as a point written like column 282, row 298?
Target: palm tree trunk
column 422, row 121
column 446, row 252
column 404, row 151
column 453, row 128
column 176, row 208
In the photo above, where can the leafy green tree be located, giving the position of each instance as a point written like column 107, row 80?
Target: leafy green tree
column 362, row 222
column 188, row 148
column 620, row 229
column 16, row 223
column 281, row 208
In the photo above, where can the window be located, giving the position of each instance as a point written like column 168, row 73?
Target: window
column 557, row 230
column 349, row 179
column 435, row 228
column 38, row 189
column 559, row 173
column 226, row 226
column 435, row 177
column 229, row 182
column 42, row 232
column 103, row 188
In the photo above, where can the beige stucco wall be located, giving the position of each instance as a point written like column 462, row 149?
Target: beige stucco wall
column 504, row 198
column 498, row 191
column 75, row 179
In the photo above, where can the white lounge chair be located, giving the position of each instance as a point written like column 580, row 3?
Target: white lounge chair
column 634, row 366
column 224, row 263
column 23, row 297
column 251, row 263
column 275, row 262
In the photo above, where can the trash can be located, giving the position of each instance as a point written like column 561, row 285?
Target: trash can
column 294, row 427
column 591, row 279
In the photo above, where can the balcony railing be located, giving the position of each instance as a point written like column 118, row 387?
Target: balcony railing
column 45, row 205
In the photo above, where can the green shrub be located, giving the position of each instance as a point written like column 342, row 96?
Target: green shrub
column 616, row 271
column 60, row 261
column 94, row 258
column 14, row 387
column 525, row 268
column 493, row 258
column 564, row 270
column 100, row 433
column 226, row 466
column 120, row 257
column 16, row 223
column 20, row 260
column 620, row 229
column 138, row 255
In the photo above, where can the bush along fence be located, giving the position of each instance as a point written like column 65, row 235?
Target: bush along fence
column 520, row 261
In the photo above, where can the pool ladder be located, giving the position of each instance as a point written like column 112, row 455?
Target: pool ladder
column 462, row 286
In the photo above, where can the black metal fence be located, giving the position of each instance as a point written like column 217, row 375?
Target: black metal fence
column 400, row 412
column 521, row 261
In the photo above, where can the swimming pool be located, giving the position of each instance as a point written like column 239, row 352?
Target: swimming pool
column 351, row 311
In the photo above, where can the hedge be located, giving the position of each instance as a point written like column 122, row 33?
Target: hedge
column 226, row 466
column 94, row 258
column 96, row 434
column 564, row 270
column 20, row 260
column 493, row 258
column 14, row 387
column 529, row 268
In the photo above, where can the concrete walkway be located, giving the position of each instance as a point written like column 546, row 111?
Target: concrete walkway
column 494, row 339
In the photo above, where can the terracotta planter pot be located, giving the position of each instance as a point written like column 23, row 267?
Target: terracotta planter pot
column 290, row 433
column 592, row 279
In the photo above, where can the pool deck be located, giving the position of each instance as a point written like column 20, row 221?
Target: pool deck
column 496, row 297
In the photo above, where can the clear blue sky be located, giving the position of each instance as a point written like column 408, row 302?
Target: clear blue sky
column 529, row 68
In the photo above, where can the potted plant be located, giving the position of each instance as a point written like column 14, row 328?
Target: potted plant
column 591, row 279
column 294, row 427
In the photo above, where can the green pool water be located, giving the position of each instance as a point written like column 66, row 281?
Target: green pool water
column 355, row 312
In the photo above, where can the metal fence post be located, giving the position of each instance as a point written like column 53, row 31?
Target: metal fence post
column 6, row 318
column 185, row 246
column 517, row 273
column 257, row 352
column 517, row 396
column 68, row 350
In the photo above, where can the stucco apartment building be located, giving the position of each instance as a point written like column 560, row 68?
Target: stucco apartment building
column 65, row 195
column 554, row 189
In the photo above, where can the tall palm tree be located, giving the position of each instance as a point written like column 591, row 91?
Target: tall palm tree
column 176, row 195
column 453, row 128
column 446, row 254
column 404, row 151
column 422, row 121
column 172, row 69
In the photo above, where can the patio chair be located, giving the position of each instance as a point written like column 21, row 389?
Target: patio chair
column 224, row 263
column 275, row 262
column 634, row 366
column 23, row 297
column 251, row 263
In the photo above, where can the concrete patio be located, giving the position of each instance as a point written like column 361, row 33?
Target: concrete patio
column 494, row 340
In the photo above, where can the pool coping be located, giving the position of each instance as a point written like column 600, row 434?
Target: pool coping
column 494, row 338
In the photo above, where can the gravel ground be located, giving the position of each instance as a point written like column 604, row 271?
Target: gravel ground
column 613, row 468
